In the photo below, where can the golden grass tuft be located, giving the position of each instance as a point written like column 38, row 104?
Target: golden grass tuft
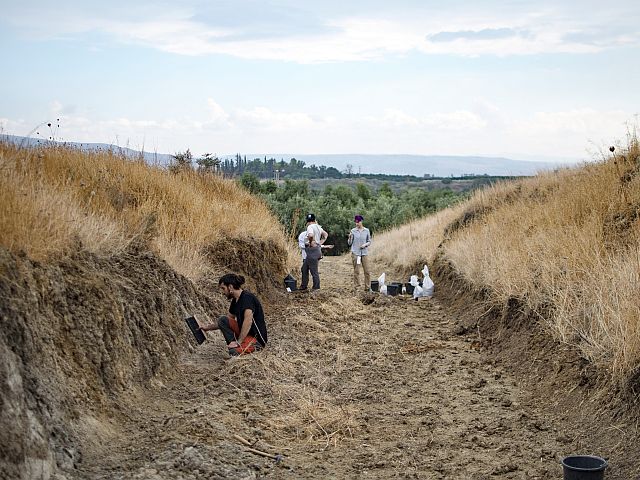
column 54, row 199
column 297, row 380
column 566, row 243
column 405, row 249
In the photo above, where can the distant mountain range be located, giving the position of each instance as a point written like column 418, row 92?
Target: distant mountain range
column 394, row 164
column 161, row 159
column 419, row 165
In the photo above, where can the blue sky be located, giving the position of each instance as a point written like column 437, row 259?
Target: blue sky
column 525, row 79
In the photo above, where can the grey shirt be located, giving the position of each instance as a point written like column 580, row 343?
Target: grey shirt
column 358, row 239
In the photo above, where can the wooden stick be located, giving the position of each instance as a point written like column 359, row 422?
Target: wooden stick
column 250, row 448
column 264, row 454
column 242, row 440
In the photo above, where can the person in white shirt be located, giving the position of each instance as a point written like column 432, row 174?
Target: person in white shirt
column 302, row 239
column 302, row 243
column 316, row 236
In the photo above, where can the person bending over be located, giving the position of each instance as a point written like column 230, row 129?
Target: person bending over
column 243, row 328
column 316, row 236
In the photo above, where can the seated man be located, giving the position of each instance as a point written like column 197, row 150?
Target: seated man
column 243, row 328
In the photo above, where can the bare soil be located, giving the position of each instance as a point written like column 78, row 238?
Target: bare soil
column 352, row 385
column 101, row 379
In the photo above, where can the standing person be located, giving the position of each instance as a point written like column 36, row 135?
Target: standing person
column 360, row 239
column 243, row 328
column 316, row 236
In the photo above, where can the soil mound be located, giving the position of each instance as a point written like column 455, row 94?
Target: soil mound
column 76, row 334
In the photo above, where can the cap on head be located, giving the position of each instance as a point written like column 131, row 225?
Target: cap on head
column 311, row 217
column 358, row 218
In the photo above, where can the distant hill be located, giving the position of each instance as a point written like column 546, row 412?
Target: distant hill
column 151, row 158
column 393, row 164
column 419, row 165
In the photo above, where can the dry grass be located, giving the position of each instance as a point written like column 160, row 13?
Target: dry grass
column 566, row 243
column 54, row 200
column 405, row 249
column 298, row 376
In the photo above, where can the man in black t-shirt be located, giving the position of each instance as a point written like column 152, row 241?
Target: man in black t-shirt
column 243, row 328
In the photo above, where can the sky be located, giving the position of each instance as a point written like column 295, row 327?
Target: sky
column 530, row 80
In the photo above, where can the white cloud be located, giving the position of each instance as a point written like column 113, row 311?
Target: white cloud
column 571, row 133
column 56, row 107
column 354, row 39
column 266, row 119
column 461, row 120
column 217, row 114
column 511, row 30
column 261, row 129
column 177, row 133
column 19, row 127
column 585, row 122
column 396, row 119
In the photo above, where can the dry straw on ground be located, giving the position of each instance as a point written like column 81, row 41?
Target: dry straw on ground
column 406, row 248
column 297, row 381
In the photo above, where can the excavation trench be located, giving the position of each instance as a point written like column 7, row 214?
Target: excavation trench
column 352, row 385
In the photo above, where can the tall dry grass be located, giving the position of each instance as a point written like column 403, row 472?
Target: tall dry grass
column 54, row 199
column 406, row 248
column 566, row 243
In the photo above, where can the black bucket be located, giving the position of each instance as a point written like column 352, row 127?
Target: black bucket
column 375, row 285
column 393, row 289
column 290, row 282
column 583, row 467
column 410, row 288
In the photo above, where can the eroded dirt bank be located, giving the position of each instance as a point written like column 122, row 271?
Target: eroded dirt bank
column 602, row 419
column 351, row 386
column 74, row 336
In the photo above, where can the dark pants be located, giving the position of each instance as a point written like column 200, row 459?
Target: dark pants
column 230, row 331
column 310, row 265
column 305, row 274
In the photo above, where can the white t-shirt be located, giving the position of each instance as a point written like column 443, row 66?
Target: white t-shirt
column 315, row 230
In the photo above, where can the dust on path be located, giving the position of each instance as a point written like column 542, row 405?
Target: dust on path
column 351, row 386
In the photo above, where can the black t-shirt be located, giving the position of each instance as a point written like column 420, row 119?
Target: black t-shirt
column 249, row 301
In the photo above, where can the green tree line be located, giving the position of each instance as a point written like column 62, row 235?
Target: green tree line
column 336, row 205
column 268, row 168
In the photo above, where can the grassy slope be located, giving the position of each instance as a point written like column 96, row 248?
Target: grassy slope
column 100, row 259
column 54, row 200
column 565, row 244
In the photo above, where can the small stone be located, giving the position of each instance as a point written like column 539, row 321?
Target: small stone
column 506, row 468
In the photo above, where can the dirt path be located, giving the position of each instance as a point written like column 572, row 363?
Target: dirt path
column 351, row 386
